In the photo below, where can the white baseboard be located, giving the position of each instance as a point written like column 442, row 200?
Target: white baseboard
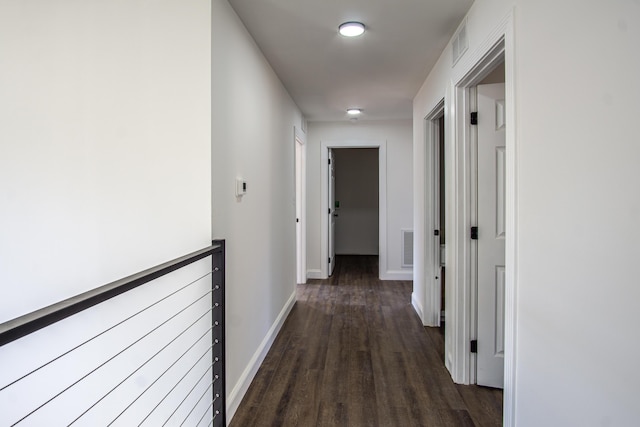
column 397, row 275
column 315, row 274
column 417, row 306
column 389, row 275
column 237, row 393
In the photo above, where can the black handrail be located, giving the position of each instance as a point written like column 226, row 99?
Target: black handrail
column 28, row 323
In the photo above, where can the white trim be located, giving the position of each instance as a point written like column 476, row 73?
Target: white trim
column 396, row 275
column 416, row 305
column 497, row 46
column 240, row 389
column 382, row 207
column 432, row 292
column 511, row 251
column 315, row 274
column 300, row 139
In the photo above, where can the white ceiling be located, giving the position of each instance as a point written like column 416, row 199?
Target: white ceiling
column 326, row 73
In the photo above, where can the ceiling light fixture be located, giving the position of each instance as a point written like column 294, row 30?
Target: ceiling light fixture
column 354, row 111
column 351, row 29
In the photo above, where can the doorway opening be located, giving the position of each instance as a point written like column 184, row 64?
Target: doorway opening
column 462, row 250
column 354, row 201
column 481, row 214
column 440, row 216
column 435, row 221
column 327, row 244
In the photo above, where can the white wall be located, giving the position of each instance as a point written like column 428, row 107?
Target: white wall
column 577, row 161
column 253, row 137
column 356, row 173
column 105, row 112
column 104, row 143
column 399, row 185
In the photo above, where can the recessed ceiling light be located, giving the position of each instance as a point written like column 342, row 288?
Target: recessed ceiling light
column 351, row 29
column 354, row 111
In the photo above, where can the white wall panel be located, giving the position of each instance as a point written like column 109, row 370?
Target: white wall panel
column 576, row 94
column 253, row 121
column 104, row 143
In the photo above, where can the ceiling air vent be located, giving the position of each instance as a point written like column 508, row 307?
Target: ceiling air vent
column 460, row 43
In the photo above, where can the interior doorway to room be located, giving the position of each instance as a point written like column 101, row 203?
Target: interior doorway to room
column 435, row 216
column 300, row 184
column 461, row 332
column 329, row 223
column 440, row 217
column 353, row 202
column 480, row 222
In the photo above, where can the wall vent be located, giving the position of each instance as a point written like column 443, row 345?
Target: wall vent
column 460, row 43
column 407, row 248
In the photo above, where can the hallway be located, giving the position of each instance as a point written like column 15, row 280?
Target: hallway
column 354, row 353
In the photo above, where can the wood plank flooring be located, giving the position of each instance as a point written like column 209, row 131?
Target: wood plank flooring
column 353, row 352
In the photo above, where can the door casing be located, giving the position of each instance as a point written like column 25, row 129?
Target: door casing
column 460, row 302
column 331, row 174
column 300, row 197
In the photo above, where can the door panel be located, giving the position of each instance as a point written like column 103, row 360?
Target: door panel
column 500, row 192
column 499, row 324
column 491, row 235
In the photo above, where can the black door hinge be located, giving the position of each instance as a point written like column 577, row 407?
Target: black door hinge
column 436, row 232
column 474, row 233
column 329, row 211
column 474, row 346
column 474, row 118
column 329, row 161
column 329, row 260
column 297, row 219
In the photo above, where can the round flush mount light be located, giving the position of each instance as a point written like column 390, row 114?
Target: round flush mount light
column 351, row 29
column 354, row 111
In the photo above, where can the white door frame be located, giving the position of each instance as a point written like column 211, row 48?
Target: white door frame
column 331, row 174
column 382, row 202
column 432, row 309
column 460, row 302
column 301, row 205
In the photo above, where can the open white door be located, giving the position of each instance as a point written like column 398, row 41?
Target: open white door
column 332, row 218
column 491, row 235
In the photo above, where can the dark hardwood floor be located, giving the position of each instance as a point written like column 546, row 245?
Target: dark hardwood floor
column 353, row 352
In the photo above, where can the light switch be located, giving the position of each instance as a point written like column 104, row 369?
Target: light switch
column 241, row 187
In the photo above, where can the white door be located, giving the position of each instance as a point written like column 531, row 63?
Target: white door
column 491, row 234
column 332, row 215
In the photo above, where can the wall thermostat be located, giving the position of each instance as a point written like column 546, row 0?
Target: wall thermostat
column 241, row 187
